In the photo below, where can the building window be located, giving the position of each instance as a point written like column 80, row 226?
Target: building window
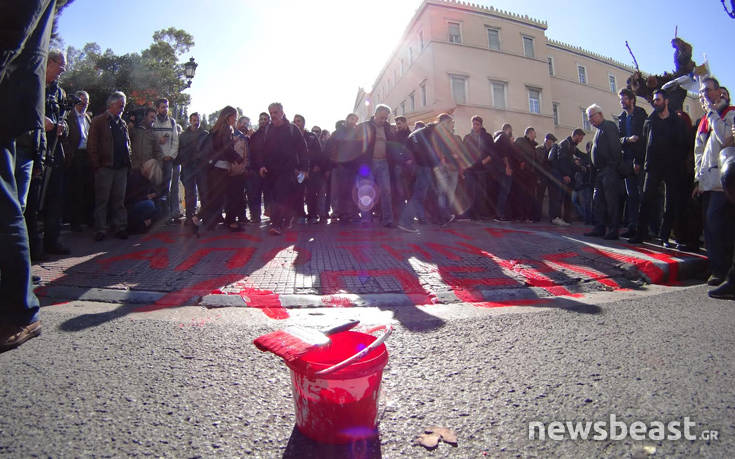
column 555, row 110
column 582, row 73
column 585, row 121
column 412, row 102
column 493, row 39
column 459, row 88
column 613, row 85
column 528, row 47
column 410, row 55
column 551, row 66
column 403, row 107
column 423, row 95
column 395, row 76
column 498, row 92
column 534, row 100
column 421, row 40
column 403, row 66
column 455, row 36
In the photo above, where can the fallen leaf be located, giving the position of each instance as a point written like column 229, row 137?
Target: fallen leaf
column 643, row 452
column 428, row 440
column 447, row 435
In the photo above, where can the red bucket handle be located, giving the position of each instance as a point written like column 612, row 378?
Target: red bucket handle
column 388, row 330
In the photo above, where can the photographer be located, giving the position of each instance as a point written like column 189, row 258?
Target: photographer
column 47, row 185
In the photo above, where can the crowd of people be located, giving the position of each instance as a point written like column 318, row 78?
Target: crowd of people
column 120, row 175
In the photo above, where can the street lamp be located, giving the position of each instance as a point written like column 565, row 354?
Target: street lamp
column 189, row 69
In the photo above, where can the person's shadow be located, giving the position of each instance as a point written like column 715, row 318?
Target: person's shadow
column 302, row 447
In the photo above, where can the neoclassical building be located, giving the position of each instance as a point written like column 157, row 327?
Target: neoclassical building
column 467, row 59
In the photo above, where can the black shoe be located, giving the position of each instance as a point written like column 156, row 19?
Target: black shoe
column 57, row 249
column 725, row 291
column 637, row 239
column 99, row 235
column 628, row 234
column 611, row 235
column 594, row 233
column 687, row 248
column 715, row 279
column 669, row 245
column 122, row 234
column 76, row 228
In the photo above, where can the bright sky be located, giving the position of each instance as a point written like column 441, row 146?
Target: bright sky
column 312, row 55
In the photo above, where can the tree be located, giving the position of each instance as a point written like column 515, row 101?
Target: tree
column 143, row 77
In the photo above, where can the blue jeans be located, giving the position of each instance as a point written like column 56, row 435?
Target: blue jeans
column 414, row 207
column 718, row 231
column 18, row 304
column 504, row 183
column 138, row 213
column 171, row 173
column 582, row 200
column 255, row 195
column 23, row 171
column 381, row 175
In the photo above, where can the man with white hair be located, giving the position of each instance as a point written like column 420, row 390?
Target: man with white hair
column 606, row 156
column 109, row 151
column 374, row 136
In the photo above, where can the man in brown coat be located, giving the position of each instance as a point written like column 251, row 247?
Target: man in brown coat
column 109, row 151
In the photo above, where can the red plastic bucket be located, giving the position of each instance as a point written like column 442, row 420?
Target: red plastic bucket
column 341, row 406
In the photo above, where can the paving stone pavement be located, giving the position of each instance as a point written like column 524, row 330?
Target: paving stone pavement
column 478, row 263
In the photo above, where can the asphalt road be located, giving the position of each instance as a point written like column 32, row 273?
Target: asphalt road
column 102, row 381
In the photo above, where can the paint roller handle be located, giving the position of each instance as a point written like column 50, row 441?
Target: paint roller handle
column 340, row 328
column 359, row 355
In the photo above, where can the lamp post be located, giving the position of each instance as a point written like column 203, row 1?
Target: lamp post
column 189, row 69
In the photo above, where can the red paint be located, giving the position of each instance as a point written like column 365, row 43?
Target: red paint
column 458, row 234
column 332, row 282
column 358, row 252
column 158, row 258
column 182, row 296
column 647, row 267
column 338, row 302
column 446, row 250
column 506, row 303
column 404, row 254
column 463, row 287
column 585, row 271
column 167, row 237
column 239, row 258
column 265, row 300
column 231, row 237
column 502, row 232
column 534, row 277
column 671, row 262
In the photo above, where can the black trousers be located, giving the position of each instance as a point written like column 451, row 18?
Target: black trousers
column 606, row 199
column 80, row 184
column 676, row 201
column 284, row 191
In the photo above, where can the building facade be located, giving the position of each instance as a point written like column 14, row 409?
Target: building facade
column 469, row 60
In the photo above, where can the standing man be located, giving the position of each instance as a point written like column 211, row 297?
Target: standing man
column 664, row 137
column 563, row 169
column 109, row 152
column 317, row 163
column 374, row 136
column 543, row 174
column 630, row 125
column 283, row 148
column 313, row 151
column 167, row 132
column 606, row 156
column 712, row 134
column 193, row 172
column 401, row 163
column 525, row 180
column 427, row 145
column 258, row 192
column 24, row 47
column 479, row 146
column 79, row 170
column 344, row 152
column 502, row 170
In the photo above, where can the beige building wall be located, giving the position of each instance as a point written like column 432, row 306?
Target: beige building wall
column 448, row 45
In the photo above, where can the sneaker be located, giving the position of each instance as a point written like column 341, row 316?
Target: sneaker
column 560, row 222
column 725, row 291
column 408, row 229
column 12, row 336
column 715, row 279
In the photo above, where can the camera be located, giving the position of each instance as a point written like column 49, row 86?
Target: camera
column 69, row 102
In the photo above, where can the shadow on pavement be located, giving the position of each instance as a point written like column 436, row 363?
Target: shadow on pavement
column 302, row 447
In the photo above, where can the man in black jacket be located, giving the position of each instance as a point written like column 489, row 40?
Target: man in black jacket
column 401, row 163
column 258, row 191
column 193, row 174
column 630, row 125
column 502, row 167
column 563, row 168
column 284, row 149
column 344, row 152
column 664, row 136
column 479, row 146
column 606, row 156
column 315, row 185
column 374, row 174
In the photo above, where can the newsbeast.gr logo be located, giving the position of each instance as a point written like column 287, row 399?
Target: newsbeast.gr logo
column 618, row 430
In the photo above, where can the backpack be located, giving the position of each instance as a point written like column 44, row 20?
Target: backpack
column 205, row 148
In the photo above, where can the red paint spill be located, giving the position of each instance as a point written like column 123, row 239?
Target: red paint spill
column 157, row 258
column 501, row 232
column 585, row 271
column 358, row 252
column 239, row 258
column 264, row 300
column 458, row 234
column 404, row 254
column 647, row 267
column 182, row 296
column 506, row 303
column 231, row 237
column 336, row 301
column 332, row 282
column 672, row 263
